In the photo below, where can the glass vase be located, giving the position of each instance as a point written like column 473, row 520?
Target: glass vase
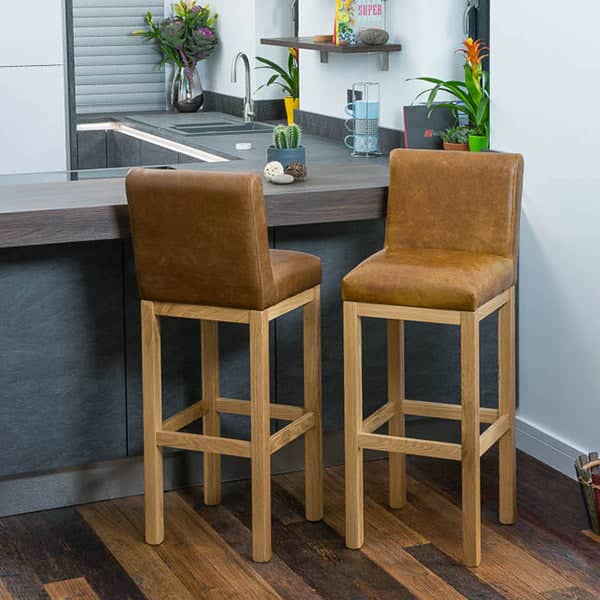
column 187, row 94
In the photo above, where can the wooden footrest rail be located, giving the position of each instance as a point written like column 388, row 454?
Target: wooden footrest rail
column 171, row 437
column 229, row 406
column 367, row 439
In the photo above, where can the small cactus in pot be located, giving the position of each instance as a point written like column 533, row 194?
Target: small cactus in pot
column 287, row 146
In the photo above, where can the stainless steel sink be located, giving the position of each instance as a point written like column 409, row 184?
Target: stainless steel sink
column 220, row 128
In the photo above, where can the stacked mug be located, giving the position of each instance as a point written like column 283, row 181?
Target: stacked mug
column 364, row 122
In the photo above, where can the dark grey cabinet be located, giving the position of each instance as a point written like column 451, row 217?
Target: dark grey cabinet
column 112, row 149
column 70, row 363
column 92, row 151
column 62, row 367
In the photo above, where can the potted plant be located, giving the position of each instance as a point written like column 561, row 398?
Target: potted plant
column 472, row 94
column 287, row 146
column 183, row 40
column 457, row 138
column 288, row 80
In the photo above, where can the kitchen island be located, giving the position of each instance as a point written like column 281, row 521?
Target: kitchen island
column 70, row 375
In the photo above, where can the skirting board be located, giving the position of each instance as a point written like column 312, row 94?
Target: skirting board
column 547, row 448
column 125, row 477
column 120, row 478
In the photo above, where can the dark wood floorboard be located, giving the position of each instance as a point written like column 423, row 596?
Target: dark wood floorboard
column 288, row 584
column 460, row 578
column 98, row 551
column 315, row 552
column 55, row 545
column 551, row 516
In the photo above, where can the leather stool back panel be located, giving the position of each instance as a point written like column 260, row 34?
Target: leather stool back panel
column 454, row 201
column 201, row 238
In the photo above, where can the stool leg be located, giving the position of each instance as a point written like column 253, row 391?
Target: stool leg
column 355, row 535
column 506, row 405
column 397, row 461
column 211, row 423
column 260, row 450
column 313, row 444
column 471, row 486
column 152, row 400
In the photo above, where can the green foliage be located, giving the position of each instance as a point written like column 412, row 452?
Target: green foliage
column 471, row 102
column 458, row 135
column 472, row 94
column 287, row 136
column 290, row 79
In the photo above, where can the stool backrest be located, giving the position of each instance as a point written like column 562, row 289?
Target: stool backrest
column 455, row 201
column 200, row 238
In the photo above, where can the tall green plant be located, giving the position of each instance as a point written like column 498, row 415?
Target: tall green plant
column 472, row 94
column 288, row 81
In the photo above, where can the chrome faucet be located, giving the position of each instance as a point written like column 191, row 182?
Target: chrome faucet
column 248, row 102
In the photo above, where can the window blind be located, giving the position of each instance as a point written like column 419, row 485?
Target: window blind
column 115, row 71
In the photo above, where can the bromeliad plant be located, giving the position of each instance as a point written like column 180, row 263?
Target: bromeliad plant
column 289, row 137
column 186, row 38
column 472, row 94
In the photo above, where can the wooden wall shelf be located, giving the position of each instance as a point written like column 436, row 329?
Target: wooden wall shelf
column 307, row 43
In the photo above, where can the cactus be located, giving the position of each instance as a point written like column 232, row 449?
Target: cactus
column 280, row 137
column 287, row 137
column 294, row 136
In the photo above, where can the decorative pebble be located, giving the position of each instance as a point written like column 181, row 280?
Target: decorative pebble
column 282, row 179
column 273, row 169
column 297, row 170
column 374, row 37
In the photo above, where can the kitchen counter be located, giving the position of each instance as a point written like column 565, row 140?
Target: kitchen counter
column 339, row 188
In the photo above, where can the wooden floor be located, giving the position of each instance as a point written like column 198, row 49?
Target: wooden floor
column 97, row 551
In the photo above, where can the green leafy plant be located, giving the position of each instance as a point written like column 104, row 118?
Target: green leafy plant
column 288, row 81
column 184, row 39
column 472, row 94
column 287, row 137
column 458, row 135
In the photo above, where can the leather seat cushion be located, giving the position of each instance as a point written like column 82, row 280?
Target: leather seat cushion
column 442, row 279
column 294, row 272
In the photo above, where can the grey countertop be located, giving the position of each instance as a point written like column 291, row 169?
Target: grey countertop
column 319, row 149
column 52, row 208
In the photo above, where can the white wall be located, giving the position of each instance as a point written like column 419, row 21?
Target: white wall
column 429, row 32
column 33, row 99
column 241, row 25
column 544, row 106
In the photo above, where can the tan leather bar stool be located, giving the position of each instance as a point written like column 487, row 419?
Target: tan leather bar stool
column 450, row 257
column 201, row 252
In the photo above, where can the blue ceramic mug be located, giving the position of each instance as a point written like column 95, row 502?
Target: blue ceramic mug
column 362, row 144
column 362, row 126
column 361, row 109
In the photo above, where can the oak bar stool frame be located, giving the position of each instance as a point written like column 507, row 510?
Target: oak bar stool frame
column 303, row 420
column 360, row 433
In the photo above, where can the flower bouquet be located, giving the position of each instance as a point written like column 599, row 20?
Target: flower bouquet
column 183, row 40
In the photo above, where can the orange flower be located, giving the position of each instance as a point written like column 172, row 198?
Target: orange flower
column 474, row 51
column 294, row 52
